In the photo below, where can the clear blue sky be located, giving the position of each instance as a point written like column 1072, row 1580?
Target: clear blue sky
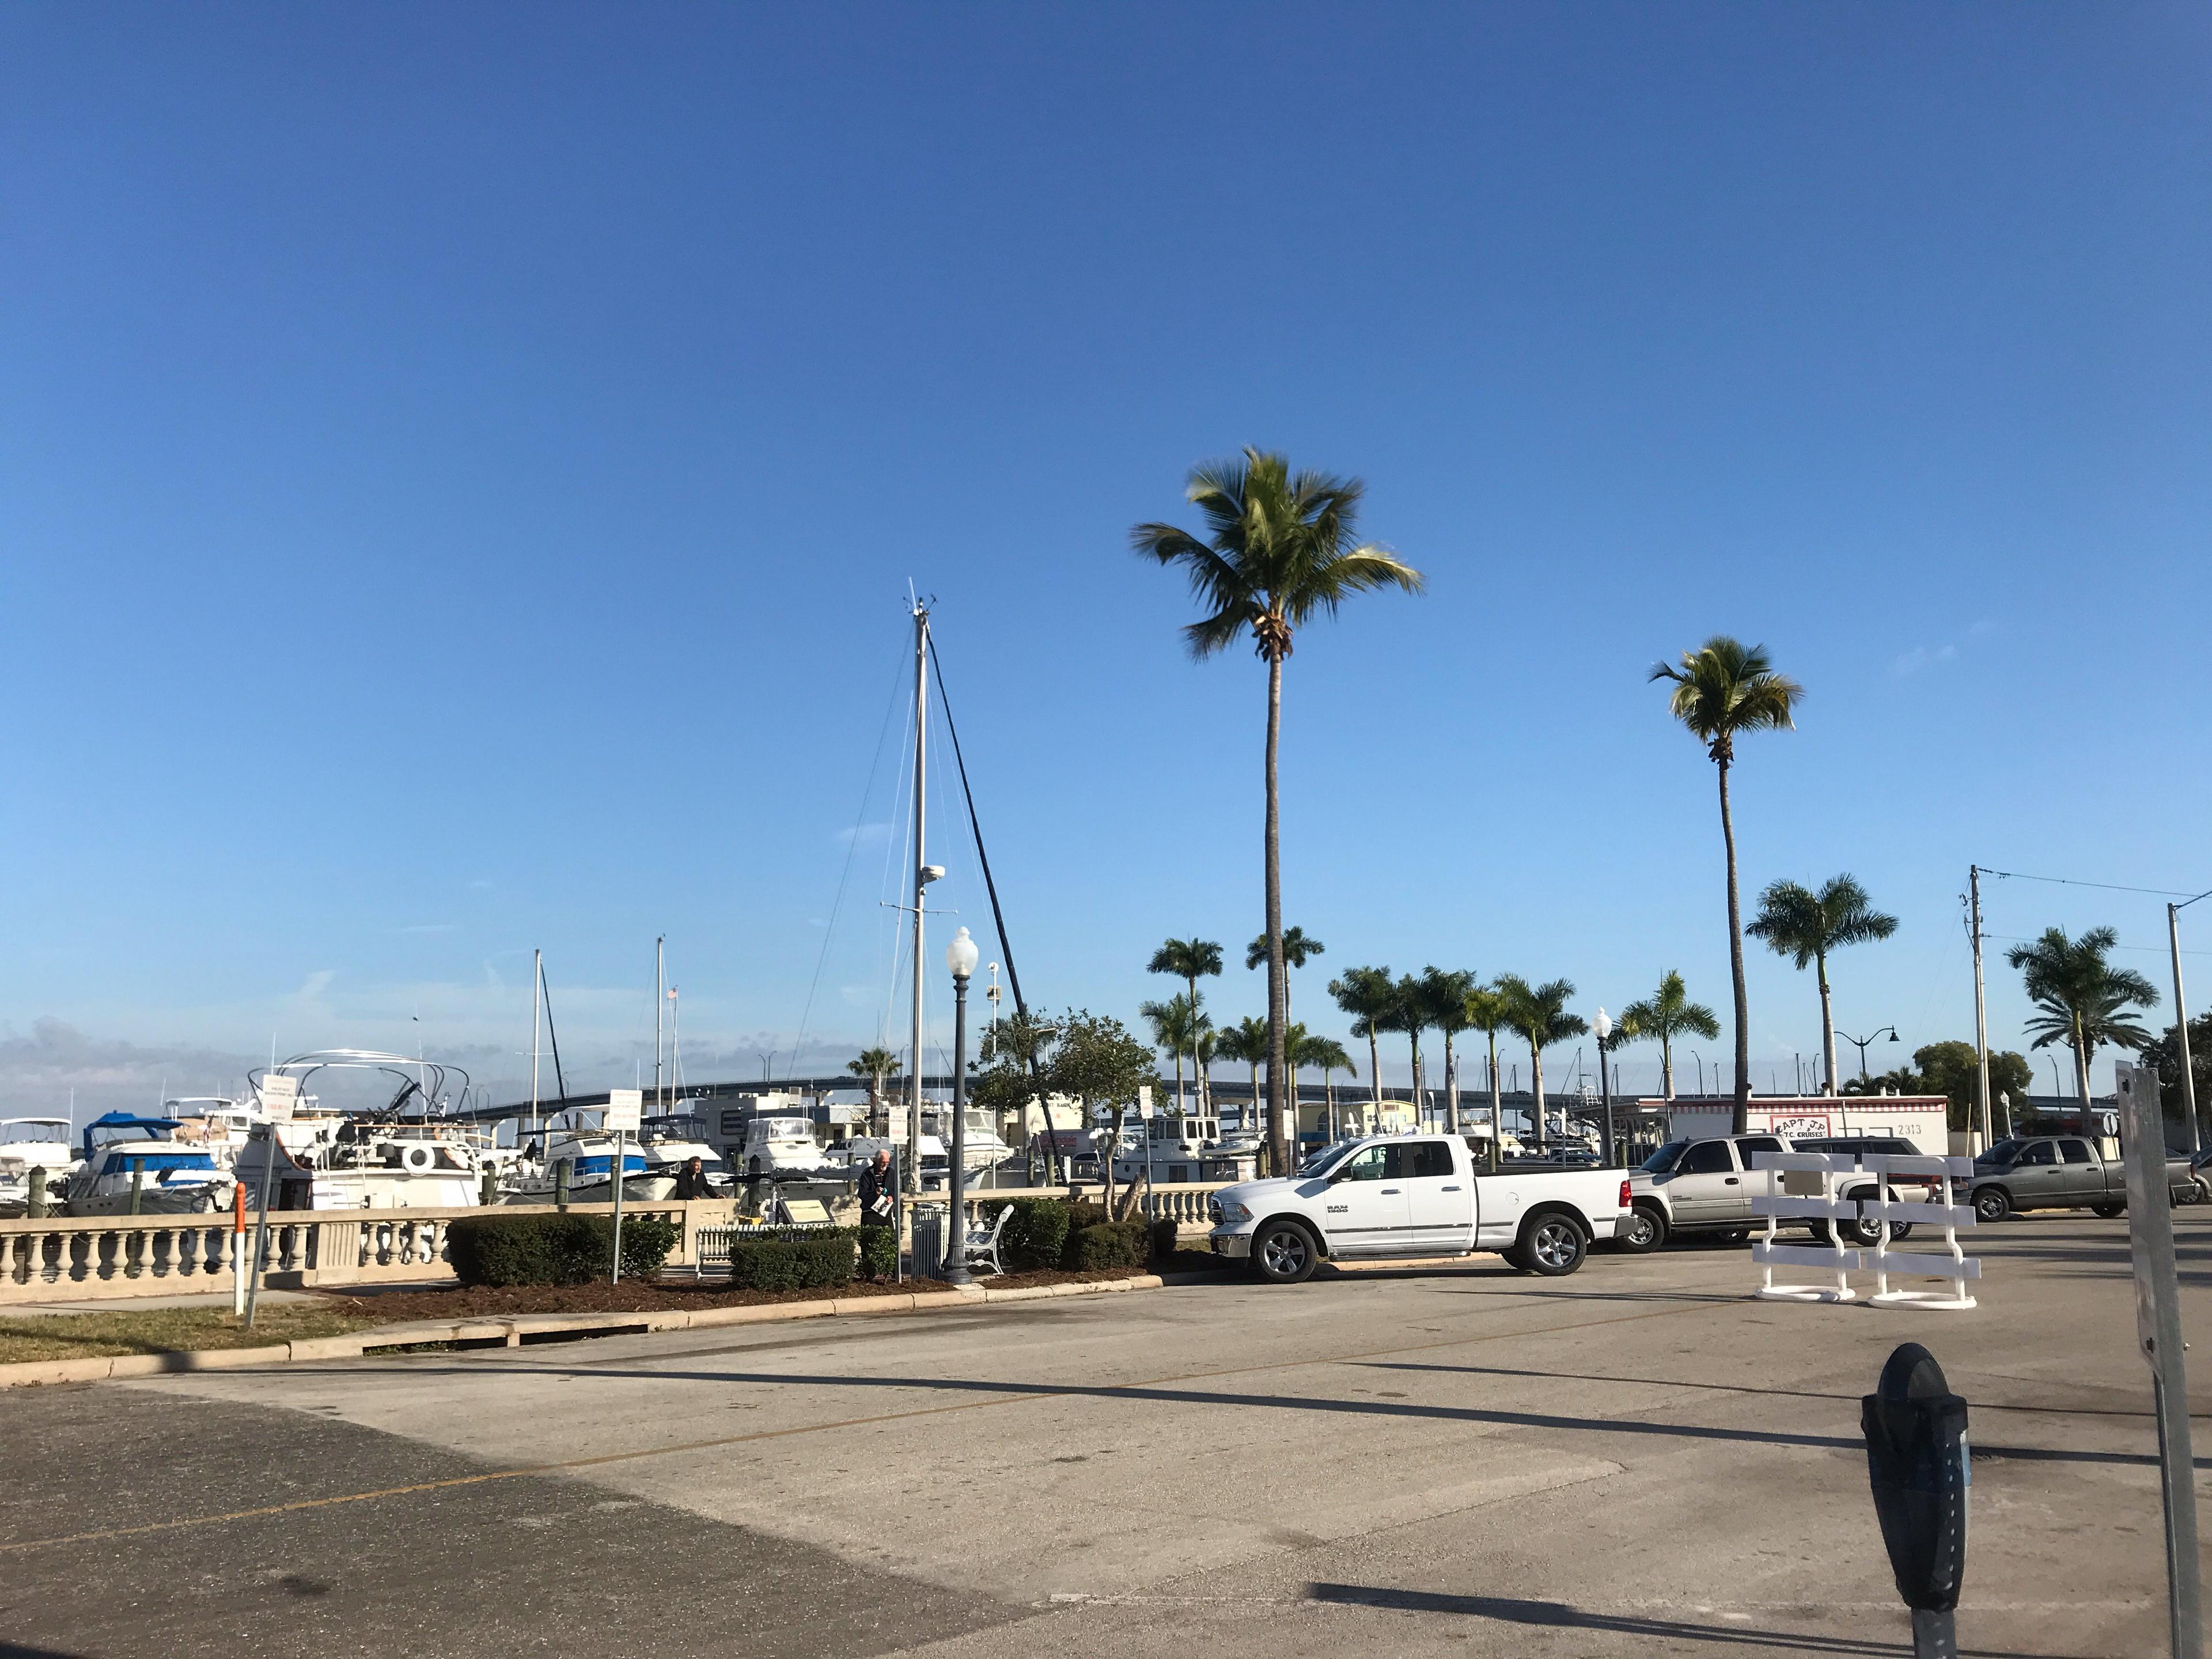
column 460, row 470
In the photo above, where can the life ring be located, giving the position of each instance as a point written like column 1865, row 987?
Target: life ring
column 418, row 1157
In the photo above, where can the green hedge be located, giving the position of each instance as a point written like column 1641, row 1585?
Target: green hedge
column 554, row 1249
column 879, row 1252
column 1037, row 1233
column 1163, row 1241
column 1108, row 1244
column 793, row 1264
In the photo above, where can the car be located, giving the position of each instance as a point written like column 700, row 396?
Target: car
column 1415, row 1196
column 2063, row 1172
column 1705, row 1187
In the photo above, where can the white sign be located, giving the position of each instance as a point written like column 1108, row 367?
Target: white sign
column 1144, row 1102
column 624, row 1109
column 279, row 1095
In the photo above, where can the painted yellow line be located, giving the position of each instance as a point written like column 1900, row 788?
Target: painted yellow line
column 569, row 1465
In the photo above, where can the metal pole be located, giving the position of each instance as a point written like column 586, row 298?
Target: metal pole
column 537, row 1015
column 261, row 1227
column 1605, row 1088
column 2158, row 1334
column 615, row 1174
column 659, row 996
column 956, row 1250
column 2181, row 1031
column 911, row 1173
column 1981, row 1010
column 237, row 1250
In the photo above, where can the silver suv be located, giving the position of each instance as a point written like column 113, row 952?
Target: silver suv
column 1707, row 1186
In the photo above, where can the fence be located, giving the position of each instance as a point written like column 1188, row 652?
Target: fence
column 74, row 1258
column 1808, row 1182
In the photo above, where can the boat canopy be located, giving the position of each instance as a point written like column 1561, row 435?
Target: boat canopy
column 124, row 1125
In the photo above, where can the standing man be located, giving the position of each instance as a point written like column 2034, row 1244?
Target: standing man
column 878, row 1200
column 691, row 1181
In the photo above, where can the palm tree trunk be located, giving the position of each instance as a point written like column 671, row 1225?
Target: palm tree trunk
column 1328, row 1090
column 2081, row 1073
column 1667, row 1064
column 1375, row 1076
column 1827, row 1023
column 1497, row 1108
column 1451, row 1082
column 1536, row 1081
column 1178, row 1083
column 1741, row 1120
column 1416, row 1037
column 1278, row 987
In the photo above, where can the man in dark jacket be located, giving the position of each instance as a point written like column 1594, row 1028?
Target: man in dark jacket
column 691, row 1181
column 878, row 1197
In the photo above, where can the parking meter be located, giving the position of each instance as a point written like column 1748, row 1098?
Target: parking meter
column 1917, row 1462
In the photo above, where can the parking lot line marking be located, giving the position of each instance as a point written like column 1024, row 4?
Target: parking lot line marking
column 569, row 1465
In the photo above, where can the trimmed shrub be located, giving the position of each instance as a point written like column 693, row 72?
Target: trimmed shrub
column 554, row 1249
column 1163, row 1241
column 1108, row 1244
column 793, row 1264
column 1037, row 1233
column 879, row 1252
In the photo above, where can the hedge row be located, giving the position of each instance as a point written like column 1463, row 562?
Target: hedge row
column 801, row 1263
column 554, row 1249
column 1053, row 1232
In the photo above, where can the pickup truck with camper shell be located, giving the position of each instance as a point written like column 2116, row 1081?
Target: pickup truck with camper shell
column 1413, row 1196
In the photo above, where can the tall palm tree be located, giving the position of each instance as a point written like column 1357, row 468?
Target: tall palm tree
column 1293, row 1057
column 2081, row 999
column 1368, row 995
column 1443, row 999
column 1189, row 960
column 877, row 1065
column 1486, row 1010
column 1174, row 1025
column 1721, row 688
column 1409, row 1016
column 1805, row 926
column 1296, row 948
column 1280, row 549
column 1328, row 1054
column 1665, row 1015
column 1538, row 1013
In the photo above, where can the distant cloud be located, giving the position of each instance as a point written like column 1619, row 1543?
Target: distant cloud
column 863, row 834
column 1921, row 657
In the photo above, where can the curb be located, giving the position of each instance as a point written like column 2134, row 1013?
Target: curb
column 40, row 1373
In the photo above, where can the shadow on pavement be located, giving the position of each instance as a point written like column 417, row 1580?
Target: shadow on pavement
column 1557, row 1615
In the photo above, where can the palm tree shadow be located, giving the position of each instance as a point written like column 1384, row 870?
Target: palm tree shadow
column 1558, row 1615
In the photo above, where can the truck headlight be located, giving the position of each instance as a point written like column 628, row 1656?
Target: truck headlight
column 1234, row 1211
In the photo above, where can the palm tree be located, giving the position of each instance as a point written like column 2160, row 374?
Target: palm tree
column 2082, row 999
column 1805, row 926
column 1296, row 948
column 1293, row 1049
column 1721, row 688
column 1174, row 1025
column 1328, row 1054
column 1188, row 960
column 1247, row 1041
column 1485, row 1010
column 876, row 1065
column 1538, row 1013
column 1666, row 1015
column 1281, row 549
column 1368, row 995
column 1409, row 1015
column 1443, row 999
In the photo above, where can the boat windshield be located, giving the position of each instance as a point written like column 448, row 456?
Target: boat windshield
column 24, row 1131
column 1663, row 1161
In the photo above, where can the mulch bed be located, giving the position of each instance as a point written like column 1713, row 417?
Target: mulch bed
column 486, row 1302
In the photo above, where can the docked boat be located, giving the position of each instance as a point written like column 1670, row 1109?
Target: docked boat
column 589, row 1154
column 669, row 1143
column 981, row 1148
column 857, row 1153
column 1189, row 1147
column 28, row 1143
column 350, row 1164
column 137, row 1165
column 785, row 1149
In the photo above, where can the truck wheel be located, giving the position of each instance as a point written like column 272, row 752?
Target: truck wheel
column 2107, row 1211
column 1992, row 1204
column 1550, row 1245
column 1643, row 1232
column 1283, row 1253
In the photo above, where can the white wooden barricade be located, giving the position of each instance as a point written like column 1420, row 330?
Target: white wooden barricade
column 1801, row 1186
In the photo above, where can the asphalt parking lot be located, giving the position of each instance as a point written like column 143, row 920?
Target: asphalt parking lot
column 1637, row 1460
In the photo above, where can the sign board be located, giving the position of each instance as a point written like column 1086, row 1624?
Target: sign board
column 804, row 1211
column 279, row 1095
column 1144, row 1102
column 625, row 1107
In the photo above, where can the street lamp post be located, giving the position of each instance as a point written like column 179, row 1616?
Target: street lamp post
column 1603, row 1026
column 1860, row 1043
column 960, row 957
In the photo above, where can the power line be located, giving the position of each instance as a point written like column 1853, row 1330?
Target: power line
column 2110, row 887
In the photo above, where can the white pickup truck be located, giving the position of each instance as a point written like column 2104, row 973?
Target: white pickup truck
column 1413, row 1197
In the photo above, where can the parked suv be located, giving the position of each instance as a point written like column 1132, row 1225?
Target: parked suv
column 1690, row 1186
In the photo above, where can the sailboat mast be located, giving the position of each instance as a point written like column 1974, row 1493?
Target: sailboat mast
column 921, row 882
column 659, row 996
column 537, row 1015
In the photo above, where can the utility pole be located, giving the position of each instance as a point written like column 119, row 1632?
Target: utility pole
column 922, row 879
column 2181, row 1024
column 1981, row 1009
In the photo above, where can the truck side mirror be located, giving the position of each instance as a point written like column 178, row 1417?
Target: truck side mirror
column 1918, row 1465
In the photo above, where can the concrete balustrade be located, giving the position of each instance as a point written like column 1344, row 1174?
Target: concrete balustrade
column 1182, row 1202
column 73, row 1258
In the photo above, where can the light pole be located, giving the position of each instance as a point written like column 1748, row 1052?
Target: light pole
column 1603, row 1028
column 1700, row 1059
column 960, row 957
column 1860, row 1043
